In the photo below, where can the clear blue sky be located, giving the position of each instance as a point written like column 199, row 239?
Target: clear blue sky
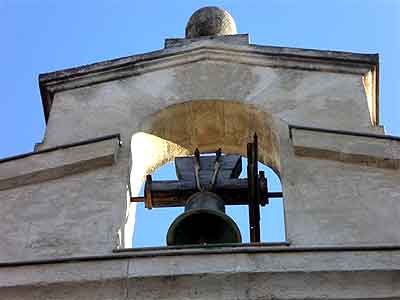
column 40, row 36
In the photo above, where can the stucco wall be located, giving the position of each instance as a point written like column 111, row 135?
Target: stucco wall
column 312, row 98
column 267, row 274
column 326, row 202
column 77, row 214
column 350, row 201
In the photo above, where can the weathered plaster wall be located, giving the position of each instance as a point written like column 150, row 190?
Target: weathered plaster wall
column 264, row 275
column 82, row 213
column 346, row 202
column 333, row 203
column 321, row 99
column 211, row 124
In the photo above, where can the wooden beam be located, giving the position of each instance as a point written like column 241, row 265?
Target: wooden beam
column 174, row 193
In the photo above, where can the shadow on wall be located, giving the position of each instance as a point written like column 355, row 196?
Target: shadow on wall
column 212, row 124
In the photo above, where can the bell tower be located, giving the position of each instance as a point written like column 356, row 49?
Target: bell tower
column 68, row 207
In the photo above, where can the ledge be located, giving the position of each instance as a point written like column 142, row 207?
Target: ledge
column 283, row 273
column 57, row 162
column 235, row 39
column 196, row 250
column 381, row 151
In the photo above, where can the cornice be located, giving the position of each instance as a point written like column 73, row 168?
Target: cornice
column 204, row 50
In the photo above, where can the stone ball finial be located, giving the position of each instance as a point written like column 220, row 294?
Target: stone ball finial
column 209, row 21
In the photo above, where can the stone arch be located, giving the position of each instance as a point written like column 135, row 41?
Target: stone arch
column 208, row 125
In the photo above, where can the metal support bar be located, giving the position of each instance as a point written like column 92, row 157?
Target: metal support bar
column 217, row 166
column 148, row 202
column 263, row 189
column 253, row 186
column 197, row 169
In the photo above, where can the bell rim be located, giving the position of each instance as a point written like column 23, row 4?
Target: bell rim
column 185, row 214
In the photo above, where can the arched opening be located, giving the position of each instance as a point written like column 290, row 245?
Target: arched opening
column 152, row 225
column 212, row 124
column 207, row 125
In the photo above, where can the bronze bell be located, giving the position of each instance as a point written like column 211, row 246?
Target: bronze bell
column 203, row 222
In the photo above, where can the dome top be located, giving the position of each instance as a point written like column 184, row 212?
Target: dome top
column 210, row 21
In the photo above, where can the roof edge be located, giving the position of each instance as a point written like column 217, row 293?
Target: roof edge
column 70, row 74
column 368, row 58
